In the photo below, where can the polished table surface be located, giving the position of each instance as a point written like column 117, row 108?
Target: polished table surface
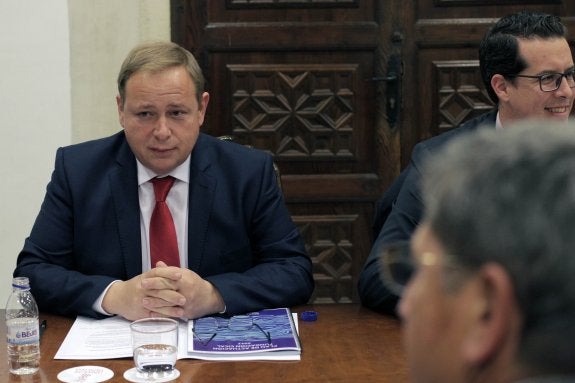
column 347, row 343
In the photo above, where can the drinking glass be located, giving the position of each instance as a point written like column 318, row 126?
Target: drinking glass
column 155, row 345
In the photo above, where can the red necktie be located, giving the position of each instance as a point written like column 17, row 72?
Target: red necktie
column 163, row 240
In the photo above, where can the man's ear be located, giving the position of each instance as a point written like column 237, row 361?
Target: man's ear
column 120, row 104
column 500, row 86
column 203, row 106
column 495, row 316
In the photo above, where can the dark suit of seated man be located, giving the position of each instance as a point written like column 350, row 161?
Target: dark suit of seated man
column 89, row 250
column 527, row 69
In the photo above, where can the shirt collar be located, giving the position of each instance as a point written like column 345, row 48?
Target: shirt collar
column 498, row 122
column 181, row 172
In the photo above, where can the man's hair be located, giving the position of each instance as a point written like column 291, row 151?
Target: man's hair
column 499, row 49
column 508, row 197
column 156, row 57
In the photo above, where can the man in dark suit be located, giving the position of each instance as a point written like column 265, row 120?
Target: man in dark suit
column 491, row 297
column 527, row 68
column 89, row 252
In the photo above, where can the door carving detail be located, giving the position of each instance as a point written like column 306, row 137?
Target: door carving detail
column 331, row 248
column 460, row 93
column 294, row 111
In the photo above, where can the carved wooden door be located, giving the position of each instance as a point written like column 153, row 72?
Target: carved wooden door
column 339, row 91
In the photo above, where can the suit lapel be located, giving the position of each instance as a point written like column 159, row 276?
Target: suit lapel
column 124, row 189
column 201, row 198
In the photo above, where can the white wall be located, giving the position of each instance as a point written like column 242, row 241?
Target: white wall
column 59, row 63
column 35, row 117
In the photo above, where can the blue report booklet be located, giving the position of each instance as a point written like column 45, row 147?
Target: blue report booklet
column 261, row 335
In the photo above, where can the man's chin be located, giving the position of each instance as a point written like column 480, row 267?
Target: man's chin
column 162, row 167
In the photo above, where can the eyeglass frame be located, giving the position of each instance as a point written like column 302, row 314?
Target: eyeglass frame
column 227, row 326
column 410, row 264
column 558, row 81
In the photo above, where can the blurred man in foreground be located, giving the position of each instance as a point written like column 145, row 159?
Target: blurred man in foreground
column 491, row 294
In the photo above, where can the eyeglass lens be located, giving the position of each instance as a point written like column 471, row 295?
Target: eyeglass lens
column 398, row 266
column 553, row 81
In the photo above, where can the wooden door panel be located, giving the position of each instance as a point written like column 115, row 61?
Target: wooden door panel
column 459, row 10
column 301, row 107
column 242, row 11
column 454, row 87
column 333, row 235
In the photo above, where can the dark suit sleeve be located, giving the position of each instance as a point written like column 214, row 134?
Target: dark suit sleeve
column 404, row 216
column 406, row 213
column 48, row 259
column 280, row 272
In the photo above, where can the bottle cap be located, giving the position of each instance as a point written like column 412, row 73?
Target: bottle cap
column 309, row 316
column 21, row 283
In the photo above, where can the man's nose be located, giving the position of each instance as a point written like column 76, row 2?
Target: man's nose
column 162, row 128
column 565, row 89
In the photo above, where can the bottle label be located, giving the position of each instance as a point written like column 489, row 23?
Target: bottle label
column 21, row 331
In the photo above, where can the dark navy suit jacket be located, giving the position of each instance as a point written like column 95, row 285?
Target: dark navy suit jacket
column 404, row 210
column 240, row 235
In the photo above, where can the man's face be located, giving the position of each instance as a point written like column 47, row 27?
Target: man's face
column 161, row 117
column 524, row 98
column 434, row 317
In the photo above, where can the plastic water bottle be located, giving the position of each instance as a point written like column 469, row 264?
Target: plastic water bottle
column 22, row 329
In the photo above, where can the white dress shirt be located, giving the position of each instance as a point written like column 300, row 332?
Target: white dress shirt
column 498, row 122
column 177, row 201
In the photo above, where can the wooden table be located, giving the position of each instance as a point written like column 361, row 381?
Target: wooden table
column 347, row 343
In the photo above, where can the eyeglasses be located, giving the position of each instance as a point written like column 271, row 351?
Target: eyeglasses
column 206, row 329
column 398, row 265
column 550, row 82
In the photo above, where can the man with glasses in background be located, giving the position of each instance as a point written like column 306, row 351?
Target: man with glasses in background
column 527, row 68
column 487, row 290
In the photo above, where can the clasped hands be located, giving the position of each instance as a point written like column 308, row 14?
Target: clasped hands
column 164, row 291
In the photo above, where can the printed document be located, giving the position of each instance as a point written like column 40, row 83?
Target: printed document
column 261, row 335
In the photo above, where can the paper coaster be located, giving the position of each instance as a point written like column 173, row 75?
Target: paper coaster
column 132, row 376
column 85, row 374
